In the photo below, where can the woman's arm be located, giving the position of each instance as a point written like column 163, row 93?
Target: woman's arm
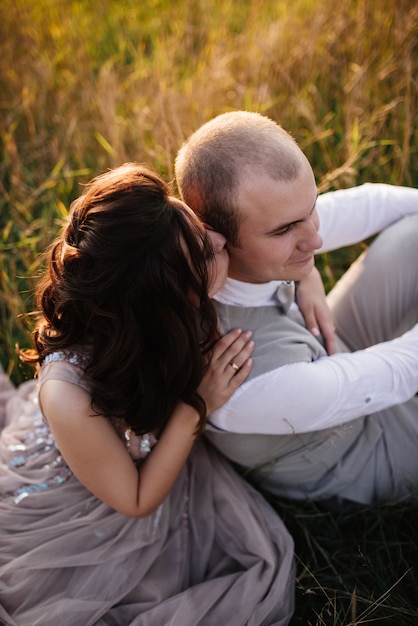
column 100, row 460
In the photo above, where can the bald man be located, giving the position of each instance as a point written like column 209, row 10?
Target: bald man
column 305, row 424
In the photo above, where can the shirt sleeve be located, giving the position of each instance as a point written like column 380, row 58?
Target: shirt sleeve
column 303, row 397
column 348, row 216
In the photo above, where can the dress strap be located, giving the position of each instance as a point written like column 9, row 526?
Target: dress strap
column 76, row 358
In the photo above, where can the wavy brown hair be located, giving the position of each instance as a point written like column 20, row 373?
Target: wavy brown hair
column 127, row 278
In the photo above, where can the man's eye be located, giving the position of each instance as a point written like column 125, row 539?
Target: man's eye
column 282, row 231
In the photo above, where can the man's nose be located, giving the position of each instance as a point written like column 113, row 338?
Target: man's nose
column 311, row 240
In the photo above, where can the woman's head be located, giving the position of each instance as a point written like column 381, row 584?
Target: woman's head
column 126, row 277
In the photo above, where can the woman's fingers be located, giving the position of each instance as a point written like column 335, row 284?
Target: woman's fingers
column 239, row 375
column 226, row 341
column 233, row 349
column 228, row 368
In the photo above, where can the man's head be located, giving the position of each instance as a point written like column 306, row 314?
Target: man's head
column 246, row 177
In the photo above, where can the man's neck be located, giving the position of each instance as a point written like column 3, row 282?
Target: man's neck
column 240, row 293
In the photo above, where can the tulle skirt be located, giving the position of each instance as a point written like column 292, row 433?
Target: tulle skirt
column 213, row 553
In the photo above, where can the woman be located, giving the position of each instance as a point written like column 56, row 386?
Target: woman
column 112, row 510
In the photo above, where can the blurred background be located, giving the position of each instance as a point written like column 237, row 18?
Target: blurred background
column 89, row 84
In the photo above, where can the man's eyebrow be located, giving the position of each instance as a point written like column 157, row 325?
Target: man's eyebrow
column 287, row 224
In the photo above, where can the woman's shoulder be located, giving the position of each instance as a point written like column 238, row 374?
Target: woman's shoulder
column 65, row 365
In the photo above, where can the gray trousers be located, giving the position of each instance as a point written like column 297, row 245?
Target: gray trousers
column 375, row 301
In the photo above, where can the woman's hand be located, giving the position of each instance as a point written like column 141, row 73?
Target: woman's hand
column 310, row 296
column 228, row 368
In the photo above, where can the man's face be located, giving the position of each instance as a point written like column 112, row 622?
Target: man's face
column 278, row 229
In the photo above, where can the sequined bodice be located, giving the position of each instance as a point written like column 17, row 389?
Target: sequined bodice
column 31, row 443
column 139, row 446
column 68, row 356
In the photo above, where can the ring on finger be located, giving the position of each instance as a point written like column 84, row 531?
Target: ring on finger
column 234, row 366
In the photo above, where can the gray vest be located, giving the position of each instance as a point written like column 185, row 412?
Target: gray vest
column 295, row 465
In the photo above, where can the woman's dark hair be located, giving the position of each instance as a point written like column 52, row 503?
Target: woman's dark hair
column 128, row 278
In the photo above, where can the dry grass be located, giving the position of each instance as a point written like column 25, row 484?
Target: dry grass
column 86, row 85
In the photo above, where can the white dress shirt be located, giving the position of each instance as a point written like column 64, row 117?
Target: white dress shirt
column 344, row 386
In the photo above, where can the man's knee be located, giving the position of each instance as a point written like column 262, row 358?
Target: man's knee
column 397, row 243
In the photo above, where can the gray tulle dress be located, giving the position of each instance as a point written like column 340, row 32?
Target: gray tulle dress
column 213, row 553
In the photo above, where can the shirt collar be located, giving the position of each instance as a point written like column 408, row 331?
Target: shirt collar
column 238, row 293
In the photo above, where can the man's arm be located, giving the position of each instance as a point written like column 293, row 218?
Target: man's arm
column 308, row 396
column 348, row 216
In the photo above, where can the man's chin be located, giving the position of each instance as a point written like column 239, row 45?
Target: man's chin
column 302, row 269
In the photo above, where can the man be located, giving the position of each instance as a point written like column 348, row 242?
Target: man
column 307, row 424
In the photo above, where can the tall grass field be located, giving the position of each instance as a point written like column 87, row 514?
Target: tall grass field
column 86, row 85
